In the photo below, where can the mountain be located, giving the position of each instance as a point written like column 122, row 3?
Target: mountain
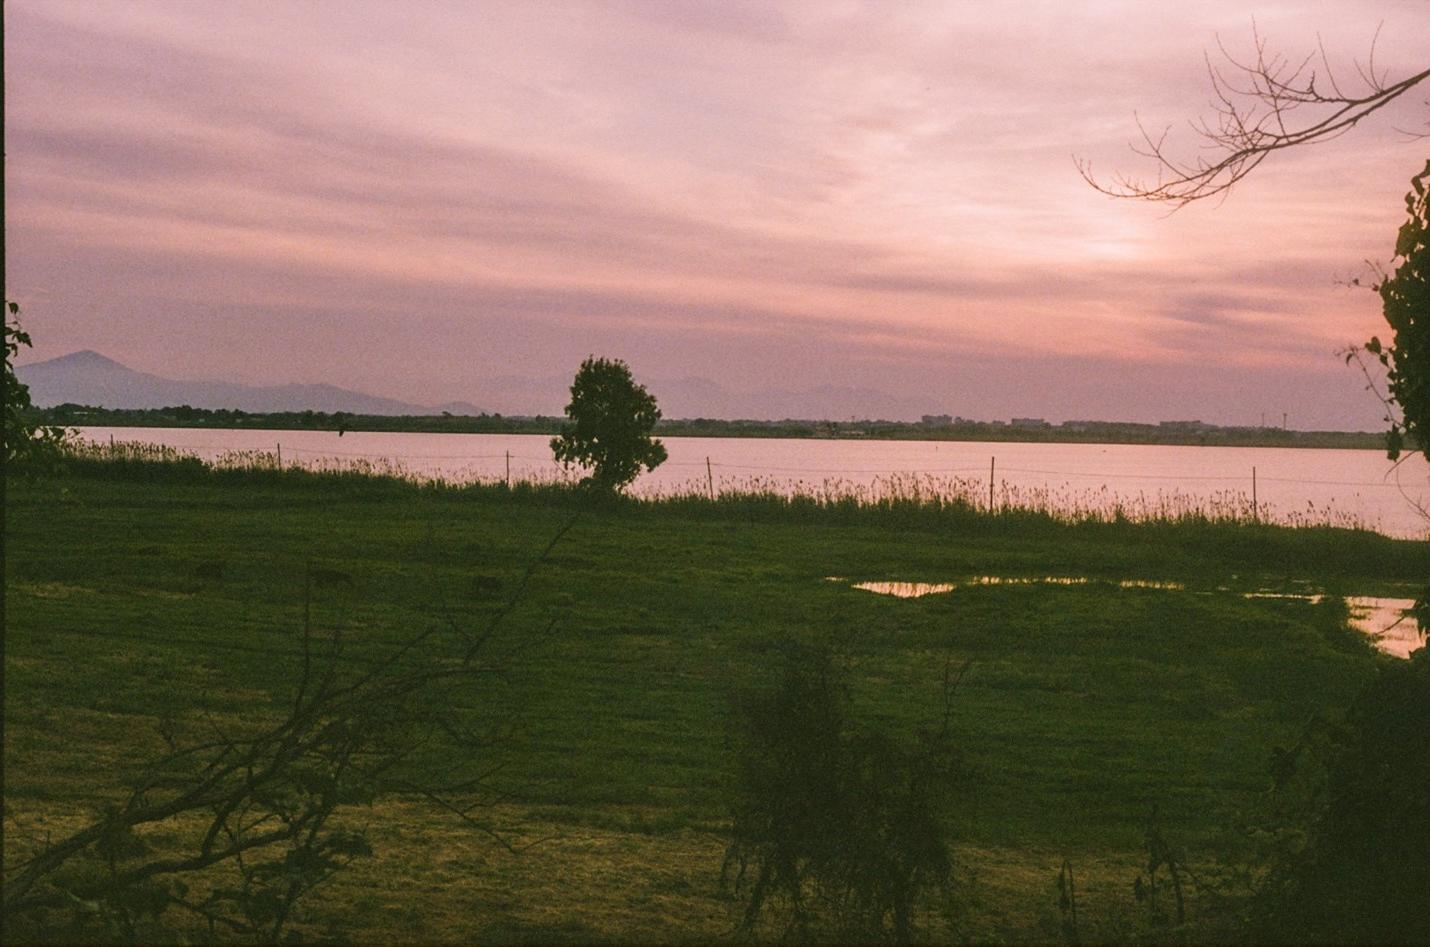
column 90, row 378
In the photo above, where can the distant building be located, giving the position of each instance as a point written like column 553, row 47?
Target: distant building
column 1189, row 426
column 1030, row 422
column 936, row 420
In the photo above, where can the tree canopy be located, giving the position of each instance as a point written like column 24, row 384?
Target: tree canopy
column 1406, row 295
column 608, row 426
column 17, row 395
column 25, row 441
column 1355, row 877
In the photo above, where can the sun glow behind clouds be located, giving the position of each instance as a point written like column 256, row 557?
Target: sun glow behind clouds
column 842, row 188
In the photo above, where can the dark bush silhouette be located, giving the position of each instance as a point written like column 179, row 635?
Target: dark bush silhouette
column 1364, row 873
column 837, row 829
column 27, row 444
column 1162, row 875
column 608, row 426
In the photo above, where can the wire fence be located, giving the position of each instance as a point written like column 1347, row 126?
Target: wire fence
column 1393, row 503
column 892, row 469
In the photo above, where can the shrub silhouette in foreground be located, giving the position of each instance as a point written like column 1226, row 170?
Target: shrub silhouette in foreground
column 249, row 821
column 1337, row 851
column 609, row 421
column 1364, row 872
column 837, row 828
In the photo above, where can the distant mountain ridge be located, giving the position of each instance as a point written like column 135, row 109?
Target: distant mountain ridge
column 88, row 377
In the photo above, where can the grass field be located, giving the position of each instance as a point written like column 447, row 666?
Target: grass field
column 132, row 596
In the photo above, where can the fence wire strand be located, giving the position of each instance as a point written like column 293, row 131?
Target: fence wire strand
column 319, row 454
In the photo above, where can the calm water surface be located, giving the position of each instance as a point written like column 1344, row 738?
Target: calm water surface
column 1387, row 621
column 1292, row 485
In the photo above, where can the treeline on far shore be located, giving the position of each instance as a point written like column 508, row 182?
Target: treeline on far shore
column 1190, row 433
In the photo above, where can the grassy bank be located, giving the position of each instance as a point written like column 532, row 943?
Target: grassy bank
column 138, row 590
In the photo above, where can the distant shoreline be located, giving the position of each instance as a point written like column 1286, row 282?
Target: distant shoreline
column 1179, row 434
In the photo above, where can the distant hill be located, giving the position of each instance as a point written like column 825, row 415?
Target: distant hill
column 459, row 408
column 90, row 378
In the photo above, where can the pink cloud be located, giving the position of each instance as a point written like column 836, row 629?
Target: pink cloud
column 807, row 188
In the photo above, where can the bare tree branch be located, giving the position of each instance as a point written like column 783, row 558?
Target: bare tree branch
column 264, row 804
column 1259, row 107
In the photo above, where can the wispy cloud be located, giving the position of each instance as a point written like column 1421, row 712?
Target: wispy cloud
column 827, row 192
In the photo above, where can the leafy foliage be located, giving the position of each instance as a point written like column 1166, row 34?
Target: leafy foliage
column 1406, row 295
column 25, row 442
column 840, row 826
column 609, row 424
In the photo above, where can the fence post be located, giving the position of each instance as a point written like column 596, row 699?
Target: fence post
column 1255, row 506
column 710, row 478
column 508, row 470
column 280, row 456
column 992, row 464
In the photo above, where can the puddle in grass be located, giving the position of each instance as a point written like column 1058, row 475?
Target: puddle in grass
column 1386, row 620
column 917, row 589
column 905, row 589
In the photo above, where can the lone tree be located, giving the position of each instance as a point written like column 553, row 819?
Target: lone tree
column 609, row 421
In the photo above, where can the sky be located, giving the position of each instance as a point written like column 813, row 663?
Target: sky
column 767, row 209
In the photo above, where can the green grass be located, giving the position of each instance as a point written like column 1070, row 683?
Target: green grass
column 1084, row 704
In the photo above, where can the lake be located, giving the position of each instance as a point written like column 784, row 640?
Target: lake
column 1344, row 487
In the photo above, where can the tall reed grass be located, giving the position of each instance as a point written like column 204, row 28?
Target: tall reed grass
column 900, row 497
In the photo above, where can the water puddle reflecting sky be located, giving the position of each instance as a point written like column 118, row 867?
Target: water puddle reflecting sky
column 1385, row 620
column 917, row 589
column 905, row 589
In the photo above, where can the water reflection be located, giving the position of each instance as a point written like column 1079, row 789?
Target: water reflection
column 916, row 589
column 905, row 589
column 1386, row 621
